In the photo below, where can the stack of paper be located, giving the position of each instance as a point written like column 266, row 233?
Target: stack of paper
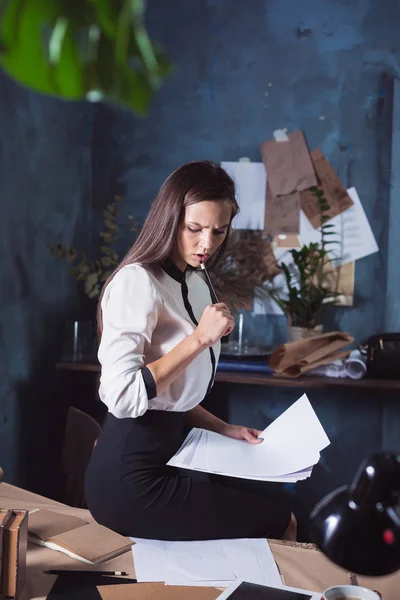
column 291, row 446
column 205, row 563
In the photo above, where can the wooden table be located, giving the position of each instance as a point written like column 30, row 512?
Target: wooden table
column 299, row 564
column 306, row 381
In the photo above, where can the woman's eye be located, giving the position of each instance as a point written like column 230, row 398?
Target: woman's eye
column 219, row 232
column 194, row 230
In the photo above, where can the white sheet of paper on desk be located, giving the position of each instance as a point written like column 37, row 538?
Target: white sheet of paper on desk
column 251, row 185
column 202, row 563
column 291, row 447
column 352, row 231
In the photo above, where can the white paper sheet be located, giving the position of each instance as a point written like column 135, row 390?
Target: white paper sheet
column 251, row 185
column 150, row 560
column 209, row 562
column 291, row 447
column 352, row 231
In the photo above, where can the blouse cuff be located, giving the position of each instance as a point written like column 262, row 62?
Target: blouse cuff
column 149, row 383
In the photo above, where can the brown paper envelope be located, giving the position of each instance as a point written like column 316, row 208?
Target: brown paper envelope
column 335, row 192
column 288, row 165
column 291, row 353
column 304, row 367
column 156, row 591
column 326, row 350
column 282, row 213
column 46, row 524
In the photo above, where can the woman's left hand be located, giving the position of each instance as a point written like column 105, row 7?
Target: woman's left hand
column 238, row 432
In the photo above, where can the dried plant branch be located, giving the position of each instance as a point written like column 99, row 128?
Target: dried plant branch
column 247, row 264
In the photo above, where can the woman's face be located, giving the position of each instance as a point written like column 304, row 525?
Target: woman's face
column 204, row 228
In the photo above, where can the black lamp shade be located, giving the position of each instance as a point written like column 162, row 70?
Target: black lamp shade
column 358, row 527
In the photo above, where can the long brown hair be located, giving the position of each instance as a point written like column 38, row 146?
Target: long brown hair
column 191, row 183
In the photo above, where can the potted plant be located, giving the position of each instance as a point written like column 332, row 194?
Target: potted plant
column 306, row 278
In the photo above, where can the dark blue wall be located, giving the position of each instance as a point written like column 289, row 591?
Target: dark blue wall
column 242, row 69
column 327, row 67
column 45, row 182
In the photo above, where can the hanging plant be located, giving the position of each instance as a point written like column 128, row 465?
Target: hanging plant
column 82, row 49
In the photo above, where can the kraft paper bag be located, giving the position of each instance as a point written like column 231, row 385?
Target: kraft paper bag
column 296, row 358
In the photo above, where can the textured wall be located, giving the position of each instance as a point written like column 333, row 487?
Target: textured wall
column 242, row 69
column 326, row 67
column 45, row 180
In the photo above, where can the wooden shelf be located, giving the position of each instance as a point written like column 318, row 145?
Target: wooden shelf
column 308, row 382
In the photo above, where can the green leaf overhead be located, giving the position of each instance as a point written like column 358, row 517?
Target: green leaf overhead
column 82, row 49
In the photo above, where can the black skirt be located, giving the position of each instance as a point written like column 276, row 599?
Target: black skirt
column 130, row 489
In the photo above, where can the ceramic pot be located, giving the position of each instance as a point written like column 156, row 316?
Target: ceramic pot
column 303, row 333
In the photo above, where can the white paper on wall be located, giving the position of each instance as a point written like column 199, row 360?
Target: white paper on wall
column 251, row 185
column 352, row 232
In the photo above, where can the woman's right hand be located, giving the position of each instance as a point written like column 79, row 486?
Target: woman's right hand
column 216, row 322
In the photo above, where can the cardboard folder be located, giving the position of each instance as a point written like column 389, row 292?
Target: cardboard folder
column 90, row 543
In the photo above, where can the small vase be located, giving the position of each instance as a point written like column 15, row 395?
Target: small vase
column 303, row 333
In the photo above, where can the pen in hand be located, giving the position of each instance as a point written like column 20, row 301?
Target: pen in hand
column 203, row 268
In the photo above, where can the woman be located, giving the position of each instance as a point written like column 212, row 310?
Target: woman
column 160, row 341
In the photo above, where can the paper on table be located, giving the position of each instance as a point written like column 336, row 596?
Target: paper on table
column 352, row 231
column 150, row 560
column 252, row 559
column 335, row 193
column 251, row 183
column 288, row 165
column 208, row 562
column 197, row 561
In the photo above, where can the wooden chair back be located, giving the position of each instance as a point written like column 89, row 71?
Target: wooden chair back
column 81, row 435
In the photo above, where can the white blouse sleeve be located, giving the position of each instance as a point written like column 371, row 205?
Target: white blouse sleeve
column 130, row 309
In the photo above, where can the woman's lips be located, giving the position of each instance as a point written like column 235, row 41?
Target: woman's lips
column 202, row 257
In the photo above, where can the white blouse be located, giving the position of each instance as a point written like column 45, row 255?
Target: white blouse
column 147, row 311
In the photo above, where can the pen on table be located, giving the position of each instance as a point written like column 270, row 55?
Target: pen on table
column 81, row 572
column 203, row 267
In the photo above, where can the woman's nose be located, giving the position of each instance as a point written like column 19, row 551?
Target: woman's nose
column 206, row 241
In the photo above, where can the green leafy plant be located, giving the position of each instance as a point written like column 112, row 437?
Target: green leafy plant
column 306, row 279
column 82, row 49
column 93, row 273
